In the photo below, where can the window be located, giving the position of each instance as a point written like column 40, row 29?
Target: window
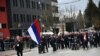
column 2, row 9
column 22, row 3
column 15, row 3
column 43, row 6
column 15, row 18
column 33, row 17
column 56, row 9
column 33, row 4
column 22, row 18
column 38, row 5
column 3, row 25
column 28, row 3
column 28, row 18
column 47, row 6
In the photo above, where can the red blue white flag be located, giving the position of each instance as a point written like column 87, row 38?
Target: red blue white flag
column 34, row 31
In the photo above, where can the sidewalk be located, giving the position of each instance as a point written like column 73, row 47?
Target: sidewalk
column 11, row 52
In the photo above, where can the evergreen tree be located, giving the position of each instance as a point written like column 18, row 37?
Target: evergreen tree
column 90, row 12
column 97, row 24
column 99, row 5
column 80, row 20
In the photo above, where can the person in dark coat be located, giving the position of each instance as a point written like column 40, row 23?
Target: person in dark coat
column 71, row 39
column 39, row 48
column 85, row 41
column 44, row 44
column 19, row 46
column 48, row 40
column 62, row 43
column 81, row 38
column 97, row 35
column 53, row 43
column 95, row 39
column 2, row 44
column 58, row 40
column 91, row 39
column 66, row 41
column 75, row 42
column 99, row 38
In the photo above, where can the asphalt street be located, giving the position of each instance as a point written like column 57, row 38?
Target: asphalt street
column 65, row 52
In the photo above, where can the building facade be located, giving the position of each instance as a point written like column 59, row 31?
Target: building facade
column 23, row 12
column 20, row 14
column 4, row 30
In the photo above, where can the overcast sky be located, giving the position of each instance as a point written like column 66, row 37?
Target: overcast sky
column 80, row 5
column 76, row 6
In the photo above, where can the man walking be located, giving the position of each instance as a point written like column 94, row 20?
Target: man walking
column 19, row 46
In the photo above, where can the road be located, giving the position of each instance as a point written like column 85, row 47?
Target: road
column 65, row 52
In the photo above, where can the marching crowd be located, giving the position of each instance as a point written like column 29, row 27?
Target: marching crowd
column 72, row 41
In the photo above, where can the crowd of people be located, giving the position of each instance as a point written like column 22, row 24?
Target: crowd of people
column 73, row 41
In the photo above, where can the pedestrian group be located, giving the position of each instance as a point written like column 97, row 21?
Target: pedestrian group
column 74, row 41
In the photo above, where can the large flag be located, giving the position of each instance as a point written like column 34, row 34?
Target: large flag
column 34, row 31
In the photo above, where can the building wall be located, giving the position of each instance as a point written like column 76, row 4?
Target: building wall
column 21, row 13
column 3, row 19
column 26, row 11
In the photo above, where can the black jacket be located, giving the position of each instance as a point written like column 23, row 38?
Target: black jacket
column 19, row 46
